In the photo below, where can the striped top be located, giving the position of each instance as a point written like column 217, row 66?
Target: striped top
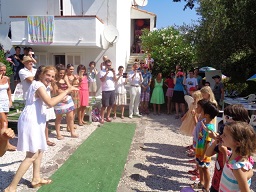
column 228, row 182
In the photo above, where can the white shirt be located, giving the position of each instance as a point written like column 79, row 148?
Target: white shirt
column 108, row 84
column 191, row 82
column 25, row 73
column 136, row 80
column 120, row 85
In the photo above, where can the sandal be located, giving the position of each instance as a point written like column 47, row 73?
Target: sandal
column 195, row 178
column 191, row 154
column 49, row 143
column 41, row 182
column 122, row 117
column 60, row 137
column 114, row 117
column 193, row 172
column 197, row 186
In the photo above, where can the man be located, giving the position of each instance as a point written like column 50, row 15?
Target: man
column 191, row 81
column 102, row 65
column 108, row 78
column 218, row 90
column 198, row 77
column 27, row 74
column 16, row 60
column 135, row 79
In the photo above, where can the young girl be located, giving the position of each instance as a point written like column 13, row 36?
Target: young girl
column 188, row 120
column 92, row 79
column 157, row 97
column 83, row 93
column 170, row 84
column 231, row 113
column 120, row 92
column 237, row 172
column 208, row 94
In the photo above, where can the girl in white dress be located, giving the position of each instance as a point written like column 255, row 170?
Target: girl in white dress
column 31, row 127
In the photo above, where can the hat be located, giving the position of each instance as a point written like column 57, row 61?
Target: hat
column 216, row 76
column 180, row 73
column 192, row 89
column 26, row 58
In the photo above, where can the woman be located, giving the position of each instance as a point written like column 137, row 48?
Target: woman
column 83, row 93
column 5, row 101
column 92, row 79
column 31, row 128
column 73, row 80
column 66, row 106
column 120, row 92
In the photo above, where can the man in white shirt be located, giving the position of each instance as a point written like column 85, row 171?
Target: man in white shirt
column 191, row 81
column 135, row 79
column 108, row 78
column 27, row 74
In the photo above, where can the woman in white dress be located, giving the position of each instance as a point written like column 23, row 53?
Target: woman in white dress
column 31, row 127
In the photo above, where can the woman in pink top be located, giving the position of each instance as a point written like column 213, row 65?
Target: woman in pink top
column 170, row 84
column 83, row 93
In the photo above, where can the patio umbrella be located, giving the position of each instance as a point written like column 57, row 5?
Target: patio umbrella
column 203, row 69
column 252, row 78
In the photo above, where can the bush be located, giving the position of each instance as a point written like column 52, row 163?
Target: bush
column 4, row 61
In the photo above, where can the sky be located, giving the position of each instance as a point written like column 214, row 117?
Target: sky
column 171, row 13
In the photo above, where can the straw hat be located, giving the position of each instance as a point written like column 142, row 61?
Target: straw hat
column 26, row 59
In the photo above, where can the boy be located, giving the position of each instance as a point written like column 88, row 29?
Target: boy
column 209, row 112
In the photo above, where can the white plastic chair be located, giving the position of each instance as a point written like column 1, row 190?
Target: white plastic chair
column 189, row 100
column 253, row 121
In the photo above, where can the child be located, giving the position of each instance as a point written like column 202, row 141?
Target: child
column 237, row 172
column 231, row 113
column 92, row 79
column 188, row 120
column 209, row 112
column 208, row 94
column 120, row 92
column 83, row 93
column 5, row 135
column 157, row 97
column 170, row 84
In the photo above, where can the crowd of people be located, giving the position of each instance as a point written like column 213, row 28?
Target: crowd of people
column 50, row 92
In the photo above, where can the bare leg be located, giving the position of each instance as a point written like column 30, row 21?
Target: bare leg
column 114, row 111
column 183, row 108
column 36, row 167
column 49, row 143
column 57, row 126
column 102, row 112
column 70, row 123
column 177, row 109
column 154, row 106
column 83, row 108
column 26, row 163
column 168, row 105
column 109, row 111
column 159, row 106
column 122, row 111
column 206, row 178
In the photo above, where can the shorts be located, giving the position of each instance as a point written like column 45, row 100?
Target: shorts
column 202, row 164
column 4, row 106
column 108, row 98
column 65, row 106
column 178, row 97
column 144, row 96
column 92, row 86
column 169, row 92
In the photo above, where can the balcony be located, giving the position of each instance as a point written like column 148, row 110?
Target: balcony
column 83, row 31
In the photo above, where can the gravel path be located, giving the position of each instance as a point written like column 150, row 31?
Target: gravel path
column 156, row 161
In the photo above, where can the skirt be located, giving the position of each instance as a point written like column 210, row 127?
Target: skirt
column 64, row 107
column 92, row 86
column 178, row 97
column 169, row 92
column 4, row 106
column 50, row 114
column 121, row 99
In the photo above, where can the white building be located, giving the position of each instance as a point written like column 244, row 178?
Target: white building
column 79, row 29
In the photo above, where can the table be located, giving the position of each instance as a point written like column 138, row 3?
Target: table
column 240, row 100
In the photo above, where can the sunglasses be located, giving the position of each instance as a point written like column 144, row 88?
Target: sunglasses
column 228, row 117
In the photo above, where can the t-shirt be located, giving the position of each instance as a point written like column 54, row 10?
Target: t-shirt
column 146, row 79
column 17, row 63
column 25, row 73
column 108, row 84
column 217, row 90
column 191, row 82
column 179, row 84
column 199, row 79
column 203, row 137
column 91, row 76
column 169, row 82
column 136, row 80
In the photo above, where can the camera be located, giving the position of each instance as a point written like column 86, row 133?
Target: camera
column 110, row 69
column 124, row 75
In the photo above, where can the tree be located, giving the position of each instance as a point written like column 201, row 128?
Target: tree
column 169, row 47
column 4, row 61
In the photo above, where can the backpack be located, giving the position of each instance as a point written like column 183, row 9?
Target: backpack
column 96, row 115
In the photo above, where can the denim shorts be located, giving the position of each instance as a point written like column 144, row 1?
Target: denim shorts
column 202, row 164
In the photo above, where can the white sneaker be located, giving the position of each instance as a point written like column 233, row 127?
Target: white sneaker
column 138, row 115
column 130, row 116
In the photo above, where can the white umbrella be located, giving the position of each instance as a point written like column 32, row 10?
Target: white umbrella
column 203, row 69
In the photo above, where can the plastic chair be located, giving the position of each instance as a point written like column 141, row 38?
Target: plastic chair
column 251, row 98
column 189, row 100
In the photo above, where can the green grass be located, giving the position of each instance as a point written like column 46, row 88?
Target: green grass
column 97, row 164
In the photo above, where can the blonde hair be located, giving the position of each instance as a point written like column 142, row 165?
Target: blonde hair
column 197, row 95
column 208, row 90
column 2, row 65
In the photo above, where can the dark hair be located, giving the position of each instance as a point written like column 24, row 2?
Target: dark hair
column 92, row 63
column 39, row 72
column 120, row 67
column 207, row 82
column 107, row 62
column 60, row 67
column 69, row 65
column 202, row 102
column 81, row 67
column 237, row 112
column 191, row 71
column 25, row 48
column 17, row 47
column 210, row 109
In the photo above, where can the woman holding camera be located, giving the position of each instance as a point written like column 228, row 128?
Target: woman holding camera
column 83, row 93
column 178, row 93
column 120, row 91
